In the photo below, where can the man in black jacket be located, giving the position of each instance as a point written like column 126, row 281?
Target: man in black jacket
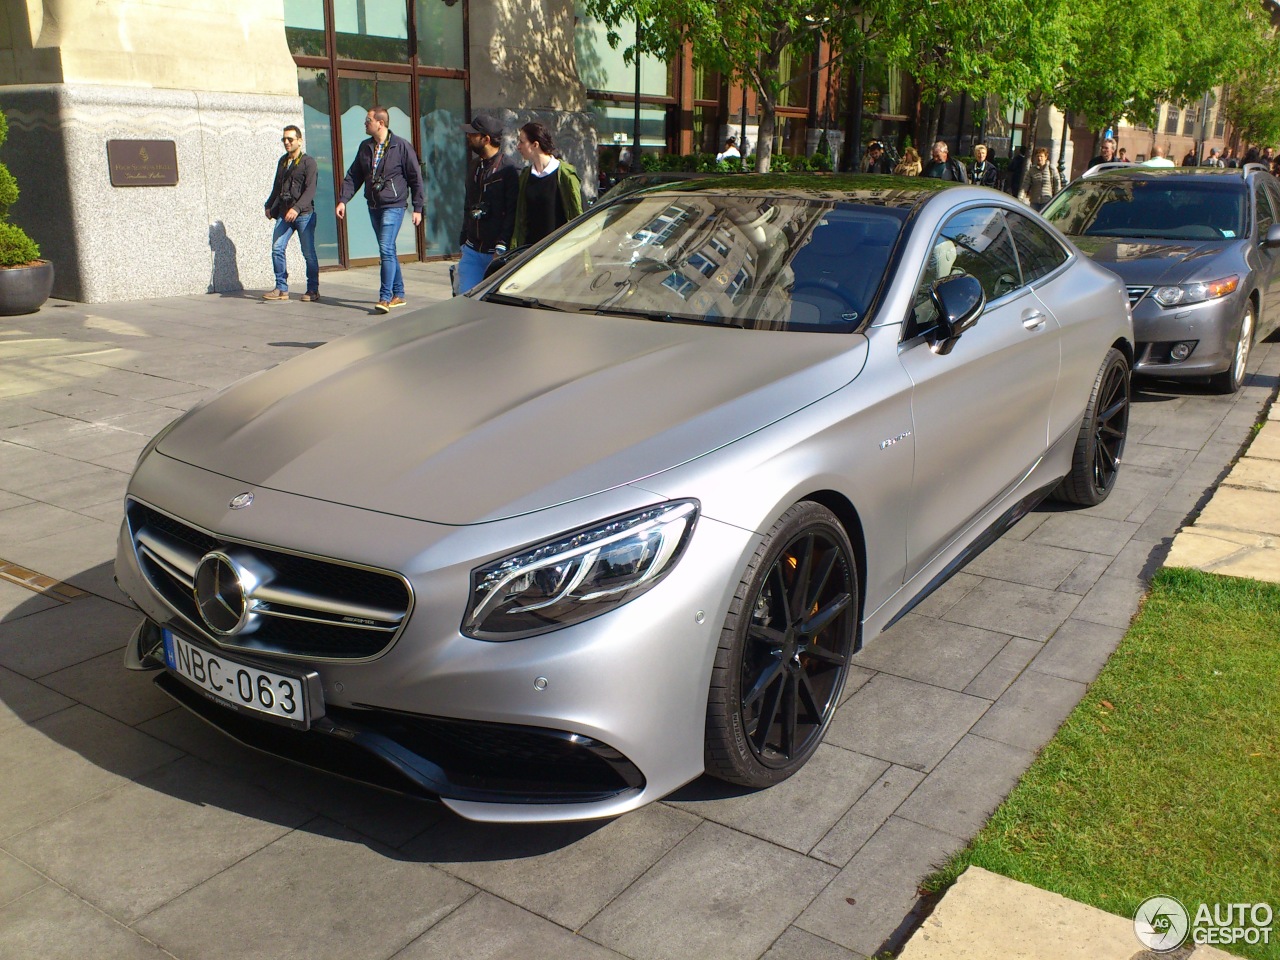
column 489, row 215
column 387, row 167
column 983, row 173
column 941, row 166
column 292, row 206
column 877, row 159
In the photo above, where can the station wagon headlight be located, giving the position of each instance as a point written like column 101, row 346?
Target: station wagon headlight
column 1185, row 293
column 579, row 575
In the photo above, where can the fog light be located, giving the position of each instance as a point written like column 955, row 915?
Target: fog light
column 1181, row 351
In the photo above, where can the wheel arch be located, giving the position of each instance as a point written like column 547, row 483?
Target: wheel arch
column 847, row 514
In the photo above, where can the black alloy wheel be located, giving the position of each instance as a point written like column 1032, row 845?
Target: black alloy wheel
column 784, row 651
column 1100, row 445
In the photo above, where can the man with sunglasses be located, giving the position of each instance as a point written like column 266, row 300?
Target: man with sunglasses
column 292, row 206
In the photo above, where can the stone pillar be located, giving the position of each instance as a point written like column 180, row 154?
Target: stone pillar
column 214, row 77
column 523, row 67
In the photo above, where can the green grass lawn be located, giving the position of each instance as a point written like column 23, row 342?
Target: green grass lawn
column 1166, row 778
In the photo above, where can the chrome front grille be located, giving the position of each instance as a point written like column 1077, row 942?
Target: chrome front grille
column 1136, row 294
column 302, row 606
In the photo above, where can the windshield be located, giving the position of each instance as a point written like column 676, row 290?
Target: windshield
column 760, row 263
column 1165, row 208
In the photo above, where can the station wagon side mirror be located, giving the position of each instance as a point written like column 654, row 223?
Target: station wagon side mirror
column 959, row 300
column 1272, row 239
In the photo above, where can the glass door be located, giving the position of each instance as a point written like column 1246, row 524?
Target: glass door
column 357, row 94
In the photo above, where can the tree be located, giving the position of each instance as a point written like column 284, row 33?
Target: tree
column 744, row 39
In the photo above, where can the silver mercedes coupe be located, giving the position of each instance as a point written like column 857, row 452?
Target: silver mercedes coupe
column 624, row 513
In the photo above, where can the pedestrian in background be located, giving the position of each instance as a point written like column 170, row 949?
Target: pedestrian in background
column 292, row 206
column 1043, row 182
column 909, row 165
column 1158, row 158
column 1214, row 160
column 386, row 166
column 877, row 159
column 730, row 151
column 549, row 193
column 489, row 211
column 1123, row 155
column 1190, row 159
column 1106, row 153
column 942, row 166
column 1016, row 168
column 983, row 173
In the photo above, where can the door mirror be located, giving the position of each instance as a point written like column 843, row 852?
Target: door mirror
column 1272, row 239
column 959, row 300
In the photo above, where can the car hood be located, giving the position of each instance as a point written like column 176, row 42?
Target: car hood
column 471, row 412
column 1145, row 262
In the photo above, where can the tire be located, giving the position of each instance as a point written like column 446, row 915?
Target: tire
column 1232, row 379
column 784, row 650
column 1100, row 445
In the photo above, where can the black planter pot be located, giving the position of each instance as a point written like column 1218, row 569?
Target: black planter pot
column 24, row 289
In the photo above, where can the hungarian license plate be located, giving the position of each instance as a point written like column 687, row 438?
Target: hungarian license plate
column 283, row 696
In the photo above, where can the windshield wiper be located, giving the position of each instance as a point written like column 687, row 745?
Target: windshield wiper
column 665, row 317
column 512, row 301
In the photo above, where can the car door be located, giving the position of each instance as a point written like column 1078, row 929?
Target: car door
column 979, row 413
column 1266, row 206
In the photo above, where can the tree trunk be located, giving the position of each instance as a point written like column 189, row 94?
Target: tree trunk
column 764, row 136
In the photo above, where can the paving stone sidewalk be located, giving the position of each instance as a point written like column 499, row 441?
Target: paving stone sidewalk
column 130, row 830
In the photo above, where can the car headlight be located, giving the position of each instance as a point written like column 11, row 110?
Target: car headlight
column 1182, row 294
column 579, row 575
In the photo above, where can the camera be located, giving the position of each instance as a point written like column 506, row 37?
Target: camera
column 477, row 213
column 378, row 182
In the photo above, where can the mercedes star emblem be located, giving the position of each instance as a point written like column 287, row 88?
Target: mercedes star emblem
column 220, row 594
column 241, row 500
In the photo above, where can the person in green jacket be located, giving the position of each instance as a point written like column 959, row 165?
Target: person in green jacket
column 550, row 191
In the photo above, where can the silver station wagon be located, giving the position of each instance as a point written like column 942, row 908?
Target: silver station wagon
column 624, row 513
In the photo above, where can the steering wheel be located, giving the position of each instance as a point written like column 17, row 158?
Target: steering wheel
column 839, row 306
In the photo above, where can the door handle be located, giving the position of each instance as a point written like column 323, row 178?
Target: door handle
column 1033, row 319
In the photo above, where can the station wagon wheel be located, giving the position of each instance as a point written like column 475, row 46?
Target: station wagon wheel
column 1100, row 443
column 784, row 650
column 1231, row 379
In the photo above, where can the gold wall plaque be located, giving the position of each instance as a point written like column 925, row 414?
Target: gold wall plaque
column 143, row 163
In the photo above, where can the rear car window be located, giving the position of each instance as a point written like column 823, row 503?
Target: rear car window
column 1038, row 252
column 1161, row 208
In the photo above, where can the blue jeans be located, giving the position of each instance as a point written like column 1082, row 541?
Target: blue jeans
column 304, row 225
column 386, row 224
column 471, row 267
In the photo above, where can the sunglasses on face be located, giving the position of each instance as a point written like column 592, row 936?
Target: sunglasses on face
column 288, row 139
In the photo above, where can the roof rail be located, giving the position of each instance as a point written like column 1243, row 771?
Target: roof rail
column 1109, row 165
column 1248, row 167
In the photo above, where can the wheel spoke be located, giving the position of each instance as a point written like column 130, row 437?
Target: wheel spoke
column 769, row 713
column 825, row 655
column 763, row 634
column 822, row 619
column 790, row 708
column 1114, row 410
column 823, row 576
column 811, row 697
column 799, row 598
column 782, row 591
column 762, row 684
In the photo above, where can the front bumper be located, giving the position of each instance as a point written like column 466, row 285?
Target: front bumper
column 1213, row 325
column 589, row 721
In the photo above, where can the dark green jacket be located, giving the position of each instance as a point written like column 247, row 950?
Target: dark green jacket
column 570, row 198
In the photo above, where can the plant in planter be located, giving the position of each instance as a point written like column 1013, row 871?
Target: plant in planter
column 25, row 279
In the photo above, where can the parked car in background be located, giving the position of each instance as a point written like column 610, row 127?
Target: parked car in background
column 1199, row 251
column 624, row 512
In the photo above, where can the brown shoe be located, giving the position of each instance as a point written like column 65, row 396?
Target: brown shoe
column 382, row 306
column 311, row 296
column 276, row 295
column 397, row 302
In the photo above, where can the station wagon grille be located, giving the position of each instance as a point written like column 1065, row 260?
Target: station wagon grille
column 304, row 606
column 1136, row 294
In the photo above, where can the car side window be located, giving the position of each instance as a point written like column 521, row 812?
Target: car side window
column 974, row 242
column 1263, row 205
column 1273, row 193
column 1038, row 252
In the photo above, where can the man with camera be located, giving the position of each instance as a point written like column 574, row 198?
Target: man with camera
column 291, row 206
column 387, row 167
column 489, row 216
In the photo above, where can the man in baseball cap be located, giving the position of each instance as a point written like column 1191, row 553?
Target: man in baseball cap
column 489, row 215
